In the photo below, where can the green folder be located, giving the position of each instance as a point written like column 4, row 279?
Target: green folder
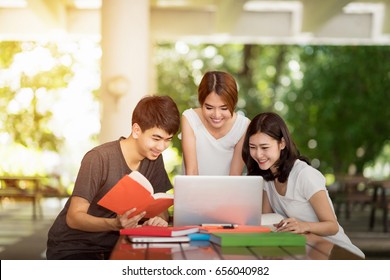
column 258, row 239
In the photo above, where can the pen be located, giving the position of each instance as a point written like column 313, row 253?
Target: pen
column 283, row 225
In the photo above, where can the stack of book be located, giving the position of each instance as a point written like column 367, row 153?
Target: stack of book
column 160, row 234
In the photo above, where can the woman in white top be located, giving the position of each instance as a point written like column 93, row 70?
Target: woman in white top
column 293, row 188
column 212, row 135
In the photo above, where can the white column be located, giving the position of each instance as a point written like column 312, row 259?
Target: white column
column 125, row 64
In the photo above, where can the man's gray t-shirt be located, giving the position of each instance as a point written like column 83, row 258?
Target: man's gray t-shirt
column 101, row 168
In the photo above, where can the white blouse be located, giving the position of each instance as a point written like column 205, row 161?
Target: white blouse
column 214, row 156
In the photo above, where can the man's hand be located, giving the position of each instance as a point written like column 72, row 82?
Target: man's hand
column 124, row 222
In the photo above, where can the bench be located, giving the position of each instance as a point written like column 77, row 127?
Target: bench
column 30, row 188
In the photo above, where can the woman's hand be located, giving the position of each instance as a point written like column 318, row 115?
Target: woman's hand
column 292, row 225
column 156, row 221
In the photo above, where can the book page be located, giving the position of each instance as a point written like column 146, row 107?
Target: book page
column 138, row 177
column 162, row 195
column 269, row 219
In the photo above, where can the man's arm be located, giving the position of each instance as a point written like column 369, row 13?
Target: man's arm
column 78, row 218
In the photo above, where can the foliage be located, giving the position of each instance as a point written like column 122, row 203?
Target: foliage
column 332, row 97
column 338, row 111
column 49, row 109
column 8, row 50
column 24, row 116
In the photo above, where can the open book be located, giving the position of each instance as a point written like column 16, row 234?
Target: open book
column 135, row 191
column 270, row 219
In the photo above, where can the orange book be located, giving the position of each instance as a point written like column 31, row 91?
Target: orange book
column 235, row 229
column 135, row 191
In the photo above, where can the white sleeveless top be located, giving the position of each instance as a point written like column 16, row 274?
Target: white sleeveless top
column 215, row 155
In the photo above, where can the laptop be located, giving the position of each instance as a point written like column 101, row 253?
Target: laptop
column 233, row 200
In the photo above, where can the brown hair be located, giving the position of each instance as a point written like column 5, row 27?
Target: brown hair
column 223, row 84
column 157, row 111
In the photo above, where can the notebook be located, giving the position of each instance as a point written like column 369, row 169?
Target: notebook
column 258, row 239
column 158, row 239
column 217, row 200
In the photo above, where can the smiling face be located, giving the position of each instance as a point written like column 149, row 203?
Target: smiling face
column 152, row 142
column 265, row 150
column 215, row 111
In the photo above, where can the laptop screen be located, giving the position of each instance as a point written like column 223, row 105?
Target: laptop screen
column 217, row 200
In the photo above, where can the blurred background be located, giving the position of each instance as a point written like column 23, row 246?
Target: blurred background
column 72, row 70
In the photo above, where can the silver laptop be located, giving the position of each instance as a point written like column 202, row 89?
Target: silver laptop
column 217, row 200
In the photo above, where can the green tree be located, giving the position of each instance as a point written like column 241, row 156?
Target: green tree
column 22, row 116
column 338, row 111
column 333, row 98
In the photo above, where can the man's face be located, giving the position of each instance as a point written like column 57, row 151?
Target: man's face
column 152, row 142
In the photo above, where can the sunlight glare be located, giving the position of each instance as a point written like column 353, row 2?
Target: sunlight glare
column 23, row 97
column 182, row 47
column 13, row 107
column 171, row 159
column 33, row 162
column 294, row 65
column 34, row 61
column 270, row 70
column 5, row 138
column 197, row 64
column 312, row 144
column 315, row 163
column 218, row 59
column 279, row 105
column 210, row 51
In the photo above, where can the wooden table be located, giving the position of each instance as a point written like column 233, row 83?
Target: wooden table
column 380, row 201
column 353, row 190
column 316, row 248
column 22, row 187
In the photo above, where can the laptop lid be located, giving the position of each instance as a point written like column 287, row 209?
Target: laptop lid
column 217, row 200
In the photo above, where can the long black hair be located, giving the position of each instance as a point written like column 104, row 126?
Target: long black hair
column 274, row 126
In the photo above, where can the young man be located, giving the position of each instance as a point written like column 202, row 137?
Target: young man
column 85, row 230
